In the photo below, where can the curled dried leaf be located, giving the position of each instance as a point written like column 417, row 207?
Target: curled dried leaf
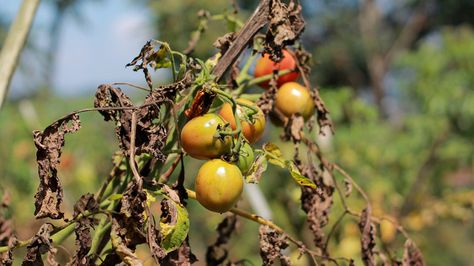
column 201, row 104
column 49, row 143
column 40, row 244
column 83, row 228
column 224, row 42
column 181, row 256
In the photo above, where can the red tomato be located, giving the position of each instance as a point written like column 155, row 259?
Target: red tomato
column 266, row 66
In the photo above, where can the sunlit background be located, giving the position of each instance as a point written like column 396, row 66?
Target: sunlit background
column 399, row 85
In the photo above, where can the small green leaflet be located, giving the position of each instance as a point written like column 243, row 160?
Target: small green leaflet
column 274, row 156
column 175, row 232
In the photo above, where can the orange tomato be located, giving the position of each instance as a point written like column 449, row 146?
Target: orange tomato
column 252, row 131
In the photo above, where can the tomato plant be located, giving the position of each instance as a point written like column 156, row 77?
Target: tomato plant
column 218, row 185
column 253, row 125
column 199, row 137
column 293, row 98
column 266, row 66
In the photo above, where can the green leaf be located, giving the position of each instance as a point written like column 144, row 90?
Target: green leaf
column 175, row 227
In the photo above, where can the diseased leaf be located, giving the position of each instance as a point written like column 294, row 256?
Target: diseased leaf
column 174, row 226
column 7, row 237
column 49, row 197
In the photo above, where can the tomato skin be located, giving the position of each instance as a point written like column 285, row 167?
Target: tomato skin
column 265, row 66
column 198, row 140
column 252, row 131
column 292, row 98
column 218, row 185
column 246, row 158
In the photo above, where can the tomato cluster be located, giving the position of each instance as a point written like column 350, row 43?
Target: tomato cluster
column 219, row 182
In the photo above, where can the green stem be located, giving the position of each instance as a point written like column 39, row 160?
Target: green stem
column 14, row 43
column 267, row 77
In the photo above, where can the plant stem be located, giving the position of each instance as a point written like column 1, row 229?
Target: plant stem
column 14, row 44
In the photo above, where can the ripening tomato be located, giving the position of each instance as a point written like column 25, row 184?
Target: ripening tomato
column 292, row 98
column 266, row 66
column 218, row 185
column 252, row 131
column 246, row 158
column 198, row 137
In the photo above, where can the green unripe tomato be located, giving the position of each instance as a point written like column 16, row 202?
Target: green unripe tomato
column 246, row 158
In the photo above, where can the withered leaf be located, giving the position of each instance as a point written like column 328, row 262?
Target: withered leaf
column 224, row 42
column 412, row 256
column 216, row 254
column 201, row 104
column 272, row 244
column 40, row 244
column 181, row 256
column 322, row 112
column 49, row 143
column 367, row 239
column 174, row 225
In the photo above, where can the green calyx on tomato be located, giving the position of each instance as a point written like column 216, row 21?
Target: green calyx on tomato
column 198, row 137
column 218, row 185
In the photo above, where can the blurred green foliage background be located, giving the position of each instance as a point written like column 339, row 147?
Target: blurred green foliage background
column 401, row 95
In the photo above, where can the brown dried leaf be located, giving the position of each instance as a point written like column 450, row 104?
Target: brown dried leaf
column 316, row 202
column 146, row 55
column 83, row 228
column 224, row 42
column 272, row 244
column 48, row 143
column 412, row 256
column 150, row 137
column 367, row 239
column 201, row 104
column 7, row 237
column 216, row 254
column 40, row 244
column 285, row 26
column 294, row 129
